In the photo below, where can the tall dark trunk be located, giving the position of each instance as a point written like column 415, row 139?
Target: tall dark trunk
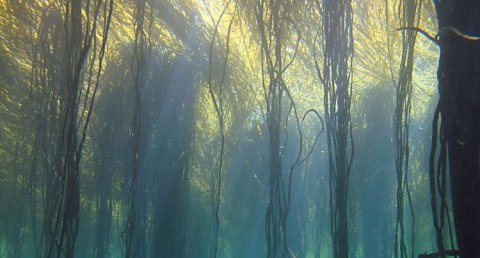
column 338, row 54
column 136, row 228
column 401, row 119
column 277, row 92
column 67, row 166
column 459, row 106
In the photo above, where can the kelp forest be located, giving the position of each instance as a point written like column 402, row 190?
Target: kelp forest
column 240, row 128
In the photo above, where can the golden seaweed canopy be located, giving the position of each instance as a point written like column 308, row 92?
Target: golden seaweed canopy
column 218, row 128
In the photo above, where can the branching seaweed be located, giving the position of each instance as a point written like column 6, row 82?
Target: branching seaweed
column 219, row 110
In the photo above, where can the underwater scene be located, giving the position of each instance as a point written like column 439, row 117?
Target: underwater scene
column 239, row 128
